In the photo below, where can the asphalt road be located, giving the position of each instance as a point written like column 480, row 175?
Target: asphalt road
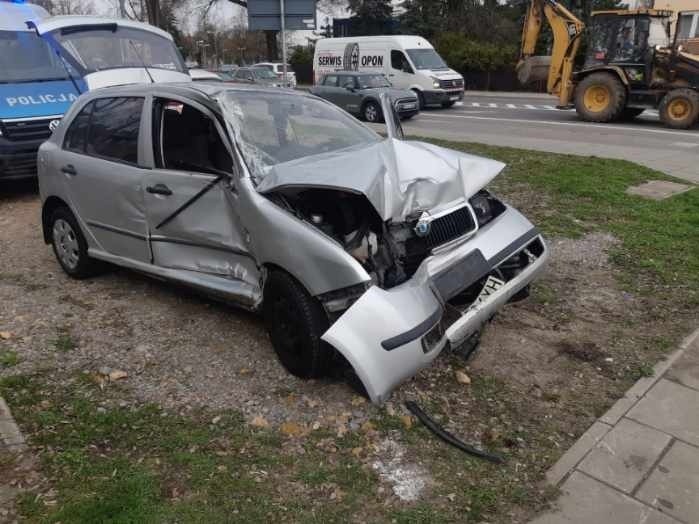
column 533, row 122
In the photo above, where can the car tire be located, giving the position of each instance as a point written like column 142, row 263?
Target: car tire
column 371, row 112
column 295, row 322
column 69, row 245
column 600, row 97
column 679, row 109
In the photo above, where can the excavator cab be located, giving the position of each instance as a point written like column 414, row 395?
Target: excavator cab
column 627, row 40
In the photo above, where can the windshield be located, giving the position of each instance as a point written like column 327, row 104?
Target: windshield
column 263, row 73
column 275, row 128
column 99, row 49
column 426, row 59
column 369, row 81
column 25, row 57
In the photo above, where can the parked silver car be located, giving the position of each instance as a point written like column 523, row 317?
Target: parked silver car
column 360, row 94
column 379, row 250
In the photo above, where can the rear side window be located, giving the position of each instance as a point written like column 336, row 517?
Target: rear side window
column 114, row 129
column 76, row 136
column 330, row 80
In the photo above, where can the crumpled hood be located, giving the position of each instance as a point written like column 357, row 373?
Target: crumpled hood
column 399, row 178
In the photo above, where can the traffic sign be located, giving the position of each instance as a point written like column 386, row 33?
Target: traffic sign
column 265, row 15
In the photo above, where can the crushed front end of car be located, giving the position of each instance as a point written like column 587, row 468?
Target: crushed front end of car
column 440, row 254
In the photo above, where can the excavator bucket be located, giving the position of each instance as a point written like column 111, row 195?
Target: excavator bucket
column 533, row 69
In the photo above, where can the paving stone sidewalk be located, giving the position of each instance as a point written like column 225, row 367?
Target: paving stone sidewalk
column 638, row 463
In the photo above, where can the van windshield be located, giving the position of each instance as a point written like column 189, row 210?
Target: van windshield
column 96, row 49
column 25, row 57
column 426, row 59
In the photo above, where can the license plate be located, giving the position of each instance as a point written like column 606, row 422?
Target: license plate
column 408, row 106
column 454, row 98
column 491, row 286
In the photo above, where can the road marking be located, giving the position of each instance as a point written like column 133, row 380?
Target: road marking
column 511, row 106
column 551, row 108
column 686, row 144
column 529, row 106
column 475, row 104
column 609, row 127
column 492, row 105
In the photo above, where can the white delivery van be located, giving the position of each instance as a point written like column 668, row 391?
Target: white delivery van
column 409, row 62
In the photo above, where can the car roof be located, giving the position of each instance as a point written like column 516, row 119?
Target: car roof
column 201, row 92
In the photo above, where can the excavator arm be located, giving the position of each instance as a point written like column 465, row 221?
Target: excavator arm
column 558, row 68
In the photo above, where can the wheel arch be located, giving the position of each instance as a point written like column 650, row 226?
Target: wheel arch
column 614, row 70
column 50, row 205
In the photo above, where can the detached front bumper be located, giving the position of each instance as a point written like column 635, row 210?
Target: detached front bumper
column 389, row 335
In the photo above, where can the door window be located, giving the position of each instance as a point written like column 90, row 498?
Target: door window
column 189, row 140
column 330, row 80
column 348, row 82
column 76, row 136
column 398, row 61
column 114, row 129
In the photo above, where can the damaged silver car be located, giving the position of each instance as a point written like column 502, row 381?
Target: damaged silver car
column 377, row 252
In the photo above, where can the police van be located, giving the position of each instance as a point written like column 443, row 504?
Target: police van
column 409, row 62
column 47, row 62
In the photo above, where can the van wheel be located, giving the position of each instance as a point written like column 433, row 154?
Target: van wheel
column 600, row 97
column 420, row 99
column 679, row 108
column 295, row 322
column 372, row 112
column 70, row 246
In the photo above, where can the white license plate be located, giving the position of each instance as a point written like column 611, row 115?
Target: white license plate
column 491, row 286
column 454, row 98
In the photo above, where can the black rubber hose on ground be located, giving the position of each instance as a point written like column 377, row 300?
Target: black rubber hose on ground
column 448, row 437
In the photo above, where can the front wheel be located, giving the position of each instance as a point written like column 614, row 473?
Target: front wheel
column 295, row 322
column 600, row 97
column 70, row 246
column 679, row 108
column 372, row 113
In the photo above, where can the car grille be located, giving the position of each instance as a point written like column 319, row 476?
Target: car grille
column 450, row 84
column 443, row 230
column 407, row 104
column 450, row 227
column 18, row 163
column 27, row 129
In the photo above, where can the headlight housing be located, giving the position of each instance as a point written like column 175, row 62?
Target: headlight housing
column 486, row 207
column 435, row 83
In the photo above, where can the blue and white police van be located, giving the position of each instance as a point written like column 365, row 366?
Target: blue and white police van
column 47, row 62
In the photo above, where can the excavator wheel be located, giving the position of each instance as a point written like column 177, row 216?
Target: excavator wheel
column 600, row 97
column 679, row 108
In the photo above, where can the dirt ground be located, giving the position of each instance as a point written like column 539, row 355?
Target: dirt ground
column 545, row 369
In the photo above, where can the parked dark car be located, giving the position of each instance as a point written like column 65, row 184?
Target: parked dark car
column 358, row 93
column 256, row 75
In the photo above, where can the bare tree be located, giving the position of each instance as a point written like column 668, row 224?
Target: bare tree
column 68, row 7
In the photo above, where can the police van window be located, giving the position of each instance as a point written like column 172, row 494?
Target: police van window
column 114, row 127
column 398, row 61
column 330, row 80
column 76, row 136
column 189, row 140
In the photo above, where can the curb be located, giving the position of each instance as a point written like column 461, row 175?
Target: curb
column 600, row 427
column 11, row 437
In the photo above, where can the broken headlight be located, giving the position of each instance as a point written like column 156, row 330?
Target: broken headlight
column 486, row 207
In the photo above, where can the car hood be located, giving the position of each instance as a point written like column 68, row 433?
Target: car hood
column 399, row 178
column 394, row 93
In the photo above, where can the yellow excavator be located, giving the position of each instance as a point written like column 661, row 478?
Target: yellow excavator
column 630, row 64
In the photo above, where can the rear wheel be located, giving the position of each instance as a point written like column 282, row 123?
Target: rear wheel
column 420, row 99
column 295, row 322
column 70, row 246
column 372, row 112
column 679, row 108
column 600, row 97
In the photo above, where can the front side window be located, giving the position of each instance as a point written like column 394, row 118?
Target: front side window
column 348, row 82
column 398, row 61
column 114, row 129
column 264, row 74
column 330, row 80
column 76, row 136
column 96, row 49
column 272, row 129
column 372, row 81
column 188, row 140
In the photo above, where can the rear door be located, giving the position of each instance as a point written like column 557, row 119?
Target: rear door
column 103, row 175
column 190, row 199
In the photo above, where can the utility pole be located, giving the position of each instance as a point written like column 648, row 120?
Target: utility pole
column 122, row 8
column 283, row 35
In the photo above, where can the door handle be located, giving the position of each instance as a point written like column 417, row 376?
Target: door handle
column 69, row 169
column 159, row 189
column 391, row 74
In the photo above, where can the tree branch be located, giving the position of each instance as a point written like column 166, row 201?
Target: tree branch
column 241, row 3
